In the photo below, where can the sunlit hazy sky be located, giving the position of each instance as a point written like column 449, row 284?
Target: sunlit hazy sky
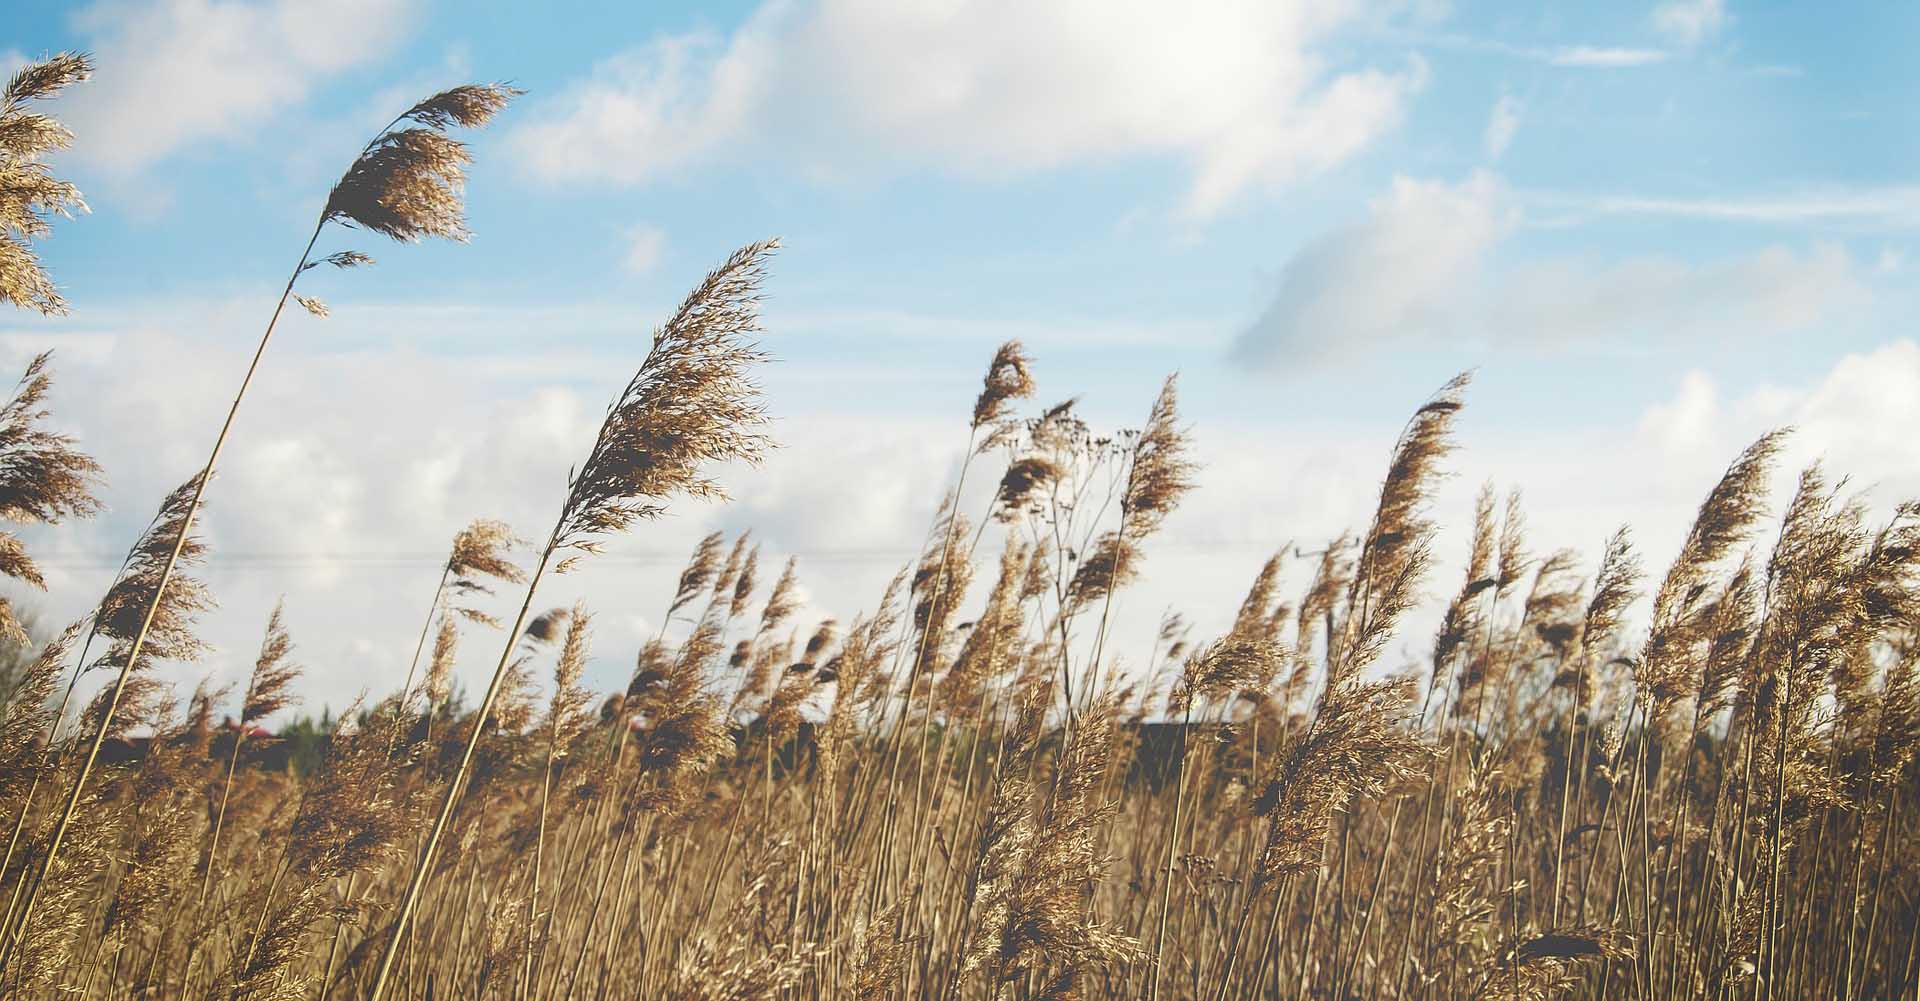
column 1656, row 230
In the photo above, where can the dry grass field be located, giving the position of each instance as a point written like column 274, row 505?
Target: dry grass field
column 1621, row 774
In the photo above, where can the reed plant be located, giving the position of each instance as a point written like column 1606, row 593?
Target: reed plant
column 1589, row 784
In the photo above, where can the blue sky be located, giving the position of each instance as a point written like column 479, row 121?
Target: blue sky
column 1655, row 230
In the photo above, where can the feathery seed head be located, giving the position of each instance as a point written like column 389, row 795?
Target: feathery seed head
column 693, row 404
column 268, row 688
column 407, row 183
column 29, row 193
column 1007, row 380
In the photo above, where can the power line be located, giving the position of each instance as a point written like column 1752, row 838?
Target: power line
column 292, row 560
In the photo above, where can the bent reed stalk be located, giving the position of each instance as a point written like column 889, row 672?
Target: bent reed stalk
column 404, row 184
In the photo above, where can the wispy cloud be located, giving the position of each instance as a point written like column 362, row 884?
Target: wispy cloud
column 1502, row 124
column 1882, row 208
column 1690, row 22
column 645, row 246
column 1573, row 56
column 1601, row 57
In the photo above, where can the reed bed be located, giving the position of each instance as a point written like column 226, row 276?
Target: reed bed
column 1635, row 775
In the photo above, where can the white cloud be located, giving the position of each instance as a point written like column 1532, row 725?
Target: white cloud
column 645, row 245
column 1770, row 291
column 1690, row 22
column 640, row 112
column 1239, row 90
column 351, row 469
column 1854, row 419
column 1393, row 273
column 1502, row 125
column 1605, row 57
column 1418, row 269
column 173, row 73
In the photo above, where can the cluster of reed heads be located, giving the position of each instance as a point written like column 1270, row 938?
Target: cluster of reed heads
column 1595, row 782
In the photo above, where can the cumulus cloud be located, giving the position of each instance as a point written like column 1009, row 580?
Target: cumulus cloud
column 1690, row 22
column 174, row 73
column 1421, row 267
column 357, row 456
column 1241, row 92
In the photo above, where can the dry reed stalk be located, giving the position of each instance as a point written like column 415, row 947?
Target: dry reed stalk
column 944, row 575
column 691, row 404
column 1159, row 474
column 267, row 693
column 405, row 184
column 1780, row 683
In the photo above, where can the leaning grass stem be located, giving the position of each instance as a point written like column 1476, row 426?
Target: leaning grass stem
column 1172, row 836
column 57, row 840
column 421, row 869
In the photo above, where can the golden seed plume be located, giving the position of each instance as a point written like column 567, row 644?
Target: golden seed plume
column 30, row 195
column 691, row 405
column 407, row 183
column 1667, row 670
column 121, row 611
column 1239, row 661
column 782, row 601
column 1161, row 472
column 699, row 572
column 744, row 582
column 567, row 706
column 268, row 690
column 1397, row 547
column 439, row 679
column 27, row 715
column 44, row 479
column 1021, row 486
column 1007, row 380
column 480, row 554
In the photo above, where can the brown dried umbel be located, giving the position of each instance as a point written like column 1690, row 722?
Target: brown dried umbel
column 30, row 196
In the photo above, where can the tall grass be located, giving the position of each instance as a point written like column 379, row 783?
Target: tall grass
column 959, row 793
